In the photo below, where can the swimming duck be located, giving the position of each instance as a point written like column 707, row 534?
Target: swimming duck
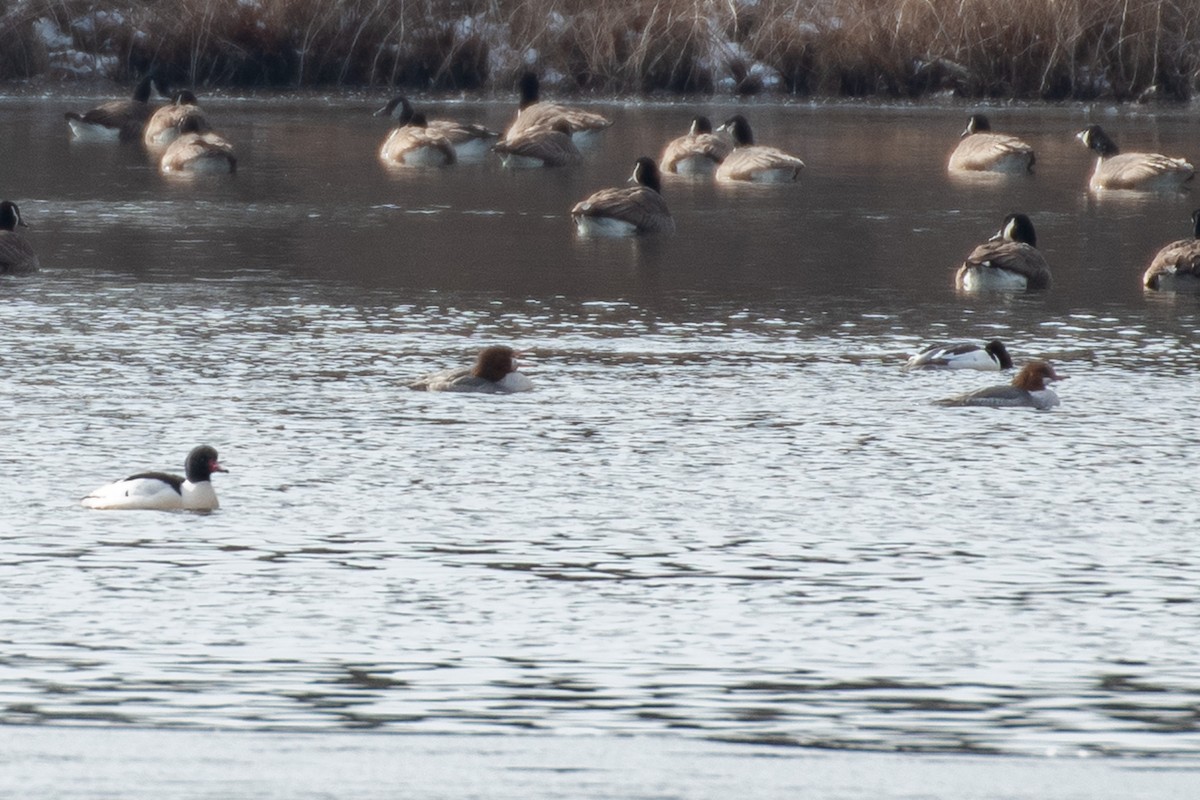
column 494, row 371
column 1027, row 390
column 698, row 152
column 16, row 253
column 625, row 211
column 980, row 150
column 1147, row 172
column 962, row 355
column 417, row 145
column 194, row 152
column 750, row 162
column 115, row 120
column 469, row 140
column 161, row 491
column 539, row 146
column 1177, row 265
column 532, row 112
column 1009, row 261
column 163, row 125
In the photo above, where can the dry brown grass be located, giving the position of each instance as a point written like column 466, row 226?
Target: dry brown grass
column 1048, row 49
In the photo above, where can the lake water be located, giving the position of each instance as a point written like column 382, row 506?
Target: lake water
column 724, row 515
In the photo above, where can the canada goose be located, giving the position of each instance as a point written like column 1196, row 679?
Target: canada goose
column 532, row 112
column 980, row 150
column 1008, row 261
column 540, row 146
column 628, row 210
column 756, row 163
column 1027, row 390
column 16, row 253
column 417, row 145
column 469, row 140
column 1177, row 266
column 194, row 152
column 698, row 152
column 495, row 370
column 163, row 125
column 162, row 491
column 962, row 355
column 1145, row 172
column 115, row 120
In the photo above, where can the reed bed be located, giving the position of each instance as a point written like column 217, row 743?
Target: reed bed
column 1034, row 49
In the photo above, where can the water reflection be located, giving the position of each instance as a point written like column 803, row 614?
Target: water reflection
column 726, row 513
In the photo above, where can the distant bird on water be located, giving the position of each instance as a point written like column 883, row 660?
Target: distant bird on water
column 980, row 150
column 1176, row 267
column 16, row 253
column 116, row 120
column 533, row 112
column 1027, row 390
column 162, row 491
column 494, row 371
column 1148, row 172
column 1009, row 261
column 626, row 211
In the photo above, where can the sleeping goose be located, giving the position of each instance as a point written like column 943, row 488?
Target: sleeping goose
column 417, row 145
column 698, row 152
column 196, row 151
column 163, row 125
column 539, row 146
column 532, row 112
column 469, row 140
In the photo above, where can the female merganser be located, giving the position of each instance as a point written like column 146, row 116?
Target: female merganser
column 495, row 371
column 1177, row 266
column 469, row 140
column 962, row 355
column 980, row 150
column 532, row 113
column 755, row 163
column 161, row 491
column 1009, row 261
column 1146, row 172
column 417, row 145
column 629, row 210
column 16, row 253
column 1027, row 390
column 698, row 152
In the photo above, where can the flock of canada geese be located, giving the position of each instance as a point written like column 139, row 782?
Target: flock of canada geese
column 547, row 134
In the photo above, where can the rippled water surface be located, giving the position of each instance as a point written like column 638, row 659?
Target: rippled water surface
column 724, row 513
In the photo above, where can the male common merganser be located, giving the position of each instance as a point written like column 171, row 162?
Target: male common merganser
column 532, row 112
column 962, row 355
column 756, row 163
column 1177, row 266
column 698, row 152
column 494, row 371
column 198, row 151
column 16, row 253
column 625, row 211
column 117, row 119
column 161, row 491
column 417, row 145
column 1146, row 172
column 539, row 146
column 1027, row 390
column 980, row 150
column 469, row 140
column 1009, row 261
